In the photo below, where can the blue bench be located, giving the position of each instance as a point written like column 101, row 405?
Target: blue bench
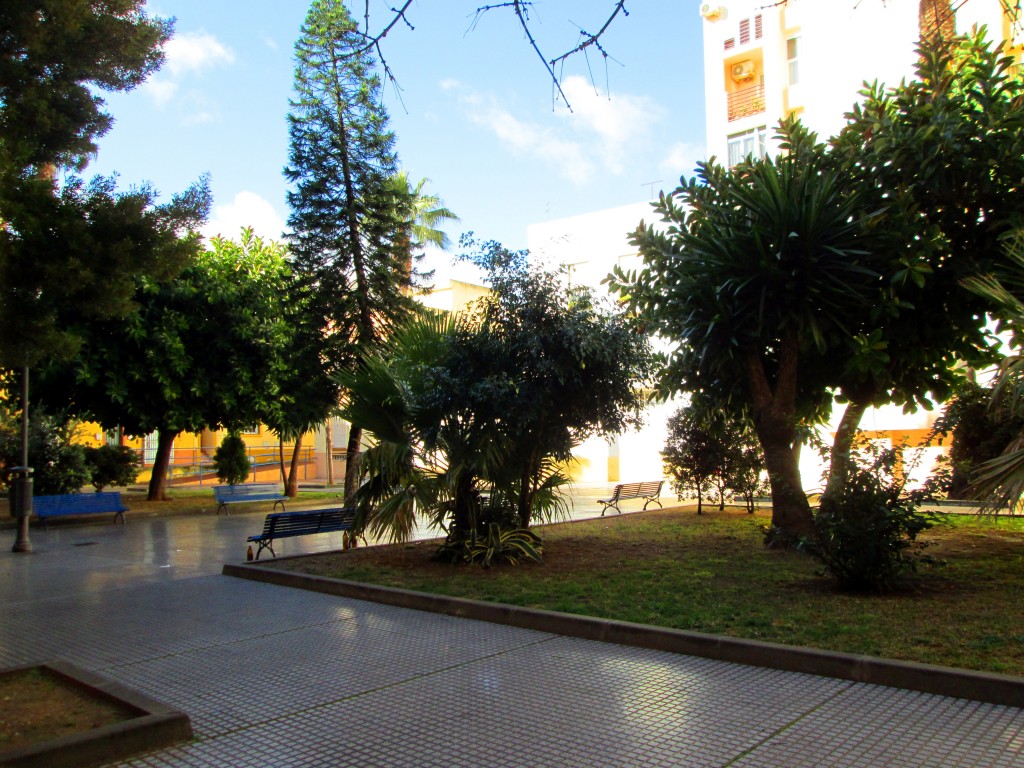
column 649, row 491
column 79, row 504
column 243, row 494
column 283, row 525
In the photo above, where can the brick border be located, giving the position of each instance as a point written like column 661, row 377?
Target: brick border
column 156, row 726
column 928, row 678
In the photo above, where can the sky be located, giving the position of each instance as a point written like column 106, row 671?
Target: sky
column 472, row 109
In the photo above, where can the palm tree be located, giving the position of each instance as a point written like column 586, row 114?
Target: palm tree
column 428, row 214
column 1000, row 481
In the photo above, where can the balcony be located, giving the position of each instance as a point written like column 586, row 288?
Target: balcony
column 746, row 101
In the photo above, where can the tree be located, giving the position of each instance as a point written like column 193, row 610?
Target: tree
column 475, row 416
column 760, row 271
column 693, row 455
column 231, row 460
column 347, row 219
column 74, row 257
column 203, row 350
column 78, row 246
column 839, row 269
column 942, row 156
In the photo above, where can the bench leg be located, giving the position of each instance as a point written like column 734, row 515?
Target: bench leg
column 119, row 515
column 282, row 505
column 221, row 506
column 656, row 501
column 266, row 545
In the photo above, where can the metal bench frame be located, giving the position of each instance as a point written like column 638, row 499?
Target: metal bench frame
column 249, row 492
column 60, row 505
column 283, row 525
column 649, row 491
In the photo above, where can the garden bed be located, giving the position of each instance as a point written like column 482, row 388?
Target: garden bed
column 56, row 715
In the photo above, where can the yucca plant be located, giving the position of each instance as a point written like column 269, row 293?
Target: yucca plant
column 509, row 545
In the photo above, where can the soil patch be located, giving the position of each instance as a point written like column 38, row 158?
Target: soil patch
column 37, row 706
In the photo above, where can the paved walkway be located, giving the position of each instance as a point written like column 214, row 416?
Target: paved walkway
column 277, row 677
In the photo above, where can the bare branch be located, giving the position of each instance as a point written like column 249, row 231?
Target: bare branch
column 592, row 40
column 374, row 41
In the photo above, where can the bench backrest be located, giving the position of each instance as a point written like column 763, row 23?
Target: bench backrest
column 637, row 490
column 77, row 503
column 309, row 521
column 247, row 490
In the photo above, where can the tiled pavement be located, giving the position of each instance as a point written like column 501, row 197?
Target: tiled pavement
column 277, row 677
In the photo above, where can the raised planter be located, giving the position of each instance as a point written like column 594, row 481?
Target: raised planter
column 151, row 725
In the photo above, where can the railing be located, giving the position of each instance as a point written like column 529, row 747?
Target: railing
column 193, row 465
column 746, row 102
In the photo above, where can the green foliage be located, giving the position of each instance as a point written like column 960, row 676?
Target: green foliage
column 693, row 455
column 70, row 253
column 59, row 463
column 473, row 415
column 981, row 430
column 203, row 350
column 54, row 61
column 499, row 545
column 231, row 460
column 867, row 535
column 116, row 465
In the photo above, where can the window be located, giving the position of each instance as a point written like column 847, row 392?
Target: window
column 250, row 429
column 744, row 31
column 752, row 143
column 730, row 43
column 792, row 59
column 758, row 27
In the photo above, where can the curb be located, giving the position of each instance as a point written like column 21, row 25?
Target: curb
column 987, row 687
column 156, row 726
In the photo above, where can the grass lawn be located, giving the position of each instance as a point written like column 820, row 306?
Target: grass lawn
column 712, row 574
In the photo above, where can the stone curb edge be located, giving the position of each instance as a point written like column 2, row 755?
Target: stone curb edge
column 927, row 678
column 156, row 726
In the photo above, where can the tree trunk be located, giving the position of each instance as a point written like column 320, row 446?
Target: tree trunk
column 355, row 439
column 291, row 488
column 774, row 417
column 329, row 445
column 162, row 460
column 700, row 500
column 842, row 448
column 280, row 460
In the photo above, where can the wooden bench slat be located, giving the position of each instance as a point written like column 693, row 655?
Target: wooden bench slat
column 280, row 525
column 247, row 492
column 58, row 505
column 649, row 490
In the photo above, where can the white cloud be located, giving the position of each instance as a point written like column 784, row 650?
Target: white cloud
column 194, row 52
column 247, row 209
column 567, row 156
column 600, row 133
column 618, row 121
column 187, row 54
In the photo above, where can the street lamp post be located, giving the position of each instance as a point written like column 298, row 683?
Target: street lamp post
column 20, row 497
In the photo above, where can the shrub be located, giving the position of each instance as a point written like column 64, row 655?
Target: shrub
column 867, row 536
column 111, row 465
column 58, row 464
column 231, row 460
column 510, row 545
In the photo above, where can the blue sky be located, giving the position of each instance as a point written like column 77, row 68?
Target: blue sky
column 475, row 113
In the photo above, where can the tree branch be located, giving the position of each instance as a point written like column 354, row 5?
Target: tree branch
column 620, row 7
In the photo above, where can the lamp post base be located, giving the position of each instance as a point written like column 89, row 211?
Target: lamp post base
column 22, row 543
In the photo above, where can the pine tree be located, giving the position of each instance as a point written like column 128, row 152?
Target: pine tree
column 347, row 220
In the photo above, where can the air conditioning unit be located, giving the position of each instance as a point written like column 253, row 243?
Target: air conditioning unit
column 743, row 71
column 711, row 12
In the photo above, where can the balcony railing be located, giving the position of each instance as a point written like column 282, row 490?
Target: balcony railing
column 746, row 101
